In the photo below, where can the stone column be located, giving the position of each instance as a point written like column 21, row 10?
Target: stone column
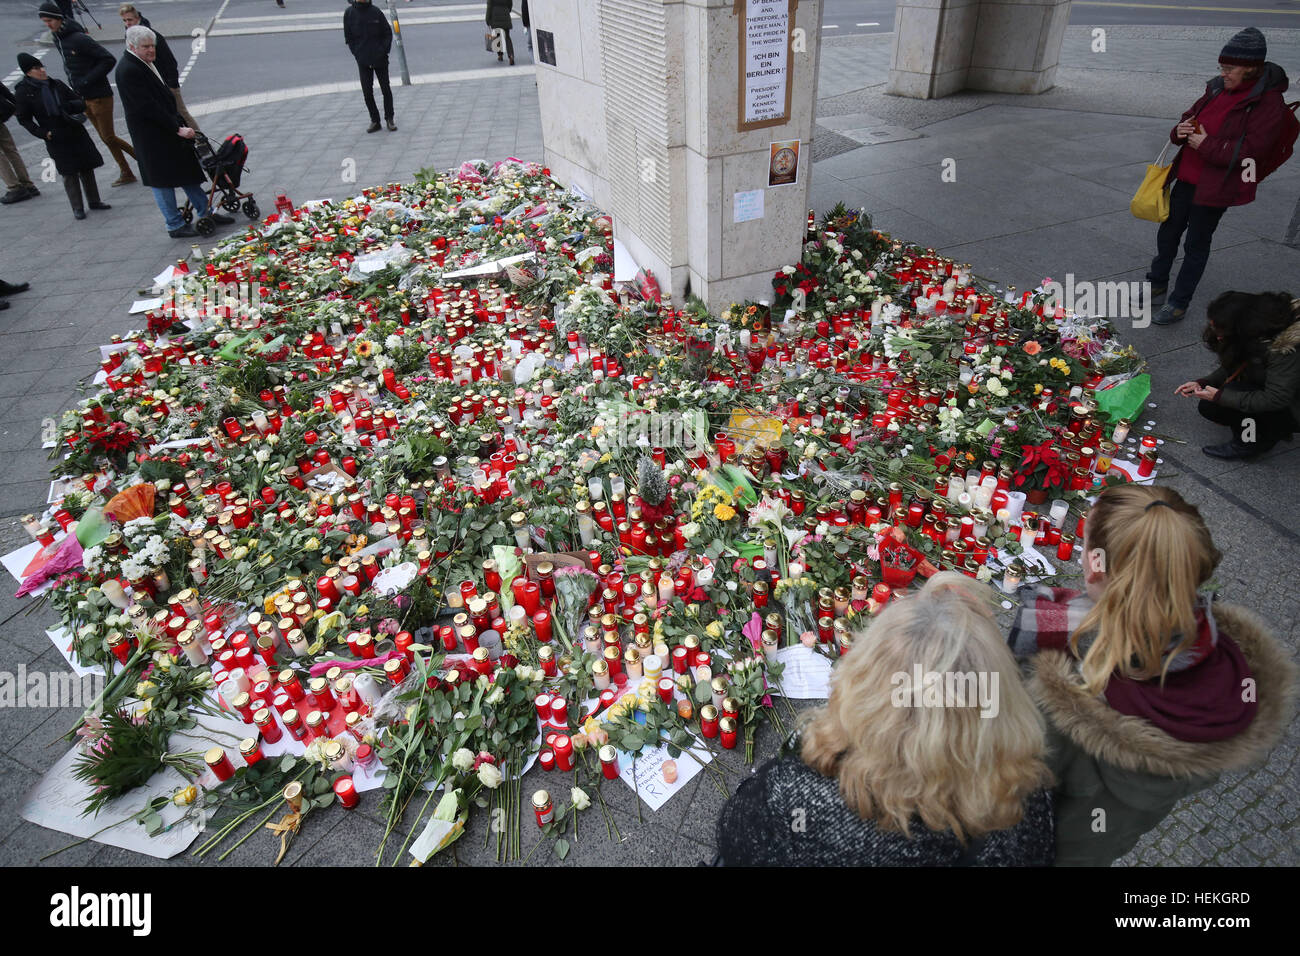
column 642, row 110
column 1004, row 46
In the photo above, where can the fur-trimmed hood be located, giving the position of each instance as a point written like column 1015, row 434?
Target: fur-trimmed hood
column 1288, row 340
column 1134, row 744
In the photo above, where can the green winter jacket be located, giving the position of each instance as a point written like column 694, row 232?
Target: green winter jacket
column 1118, row 776
column 1281, row 388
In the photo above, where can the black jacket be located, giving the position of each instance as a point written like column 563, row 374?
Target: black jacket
column 165, row 60
column 85, row 61
column 70, row 145
column 7, row 104
column 367, row 33
column 165, row 158
column 788, row 814
column 498, row 13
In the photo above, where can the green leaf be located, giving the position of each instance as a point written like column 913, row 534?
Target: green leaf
column 287, row 763
column 703, row 693
column 390, row 781
column 321, row 786
column 324, row 800
column 153, row 824
column 631, row 742
column 561, row 848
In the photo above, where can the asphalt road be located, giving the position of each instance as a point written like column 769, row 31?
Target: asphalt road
column 250, row 46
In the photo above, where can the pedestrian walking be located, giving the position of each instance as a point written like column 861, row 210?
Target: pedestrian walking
column 498, row 18
column 13, row 171
column 1151, row 688
column 369, row 37
column 1255, row 391
column 165, row 60
column 48, row 109
column 884, row 775
column 87, row 65
column 163, row 142
column 523, row 19
column 1227, row 139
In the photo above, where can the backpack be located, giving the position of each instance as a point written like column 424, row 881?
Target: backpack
column 1284, row 145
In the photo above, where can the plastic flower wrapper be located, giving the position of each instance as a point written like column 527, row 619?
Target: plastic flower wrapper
column 444, row 827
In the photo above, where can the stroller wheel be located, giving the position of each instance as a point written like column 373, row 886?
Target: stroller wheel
column 230, row 203
column 205, row 226
column 188, row 213
column 251, row 210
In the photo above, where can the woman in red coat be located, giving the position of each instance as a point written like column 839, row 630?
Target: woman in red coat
column 1225, row 136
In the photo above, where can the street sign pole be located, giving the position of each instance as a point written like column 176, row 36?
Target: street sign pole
column 401, row 49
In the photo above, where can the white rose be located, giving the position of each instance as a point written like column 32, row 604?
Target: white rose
column 462, row 759
column 580, row 799
column 489, row 776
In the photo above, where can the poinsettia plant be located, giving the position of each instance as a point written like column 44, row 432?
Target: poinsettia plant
column 1041, row 468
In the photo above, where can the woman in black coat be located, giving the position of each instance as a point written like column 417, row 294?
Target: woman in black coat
column 498, row 18
column 43, row 107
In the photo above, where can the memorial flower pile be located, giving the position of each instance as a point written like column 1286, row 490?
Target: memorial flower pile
column 433, row 503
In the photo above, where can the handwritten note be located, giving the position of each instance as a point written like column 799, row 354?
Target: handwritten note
column 645, row 774
column 749, row 205
column 807, row 674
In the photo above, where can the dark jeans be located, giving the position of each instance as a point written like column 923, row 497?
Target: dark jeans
column 1270, row 427
column 1199, row 222
column 74, row 184
column 368, row 73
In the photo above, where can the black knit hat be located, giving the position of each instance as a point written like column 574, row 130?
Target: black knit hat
column 1246, row 48
column 50, row 9
column 27, row 62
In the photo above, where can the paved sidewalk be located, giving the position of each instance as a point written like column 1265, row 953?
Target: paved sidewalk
column 1042, row 188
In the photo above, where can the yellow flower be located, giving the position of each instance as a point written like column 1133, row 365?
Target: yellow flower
column 146, row 689
column 183, row 798
column 312, row 544
column 714, row 630
column 364, row 347
column 724, row 512
column 1038, row 388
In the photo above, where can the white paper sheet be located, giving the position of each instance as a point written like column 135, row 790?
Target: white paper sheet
column 748, row 205
column 645, row 774
column 807, row 674
column 63, row 641
column 487, row 268
column 144, row 305
column 57, row 800
column 625, row 267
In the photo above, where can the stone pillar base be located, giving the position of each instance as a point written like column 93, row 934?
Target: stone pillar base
column 1003, row 46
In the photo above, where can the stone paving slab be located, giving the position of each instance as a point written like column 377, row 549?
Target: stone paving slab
column 1043, row 185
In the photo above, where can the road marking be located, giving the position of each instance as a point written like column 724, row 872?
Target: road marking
column 334, row 14
column 279, row 96
column 1180, row 8
column 830, row 26
column 873, row 24
column 337, row 24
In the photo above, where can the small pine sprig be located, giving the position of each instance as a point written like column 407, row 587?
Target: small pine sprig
column 651, row 484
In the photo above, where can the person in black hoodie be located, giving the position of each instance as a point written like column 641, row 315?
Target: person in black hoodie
column 44, row 108
column 369, row 37
column 165, row 61
column 87, row 65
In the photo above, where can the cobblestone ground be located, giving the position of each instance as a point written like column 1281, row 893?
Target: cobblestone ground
column 1043, row 188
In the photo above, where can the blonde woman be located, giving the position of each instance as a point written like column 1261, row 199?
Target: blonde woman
column 929, row 752
column 1151, row 690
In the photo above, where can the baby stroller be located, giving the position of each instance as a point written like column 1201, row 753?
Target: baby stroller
column 224, row 167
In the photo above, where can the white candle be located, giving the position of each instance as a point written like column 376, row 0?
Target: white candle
column 595, row 488
column 1059, row 511
column 956, row 488
column 115, row 593
column 1015, row 505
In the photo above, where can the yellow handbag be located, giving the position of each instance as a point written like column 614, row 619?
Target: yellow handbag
column 1151, row 201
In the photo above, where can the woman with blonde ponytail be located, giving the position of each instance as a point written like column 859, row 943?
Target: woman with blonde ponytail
column 929, row 752
column 1150, row 688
